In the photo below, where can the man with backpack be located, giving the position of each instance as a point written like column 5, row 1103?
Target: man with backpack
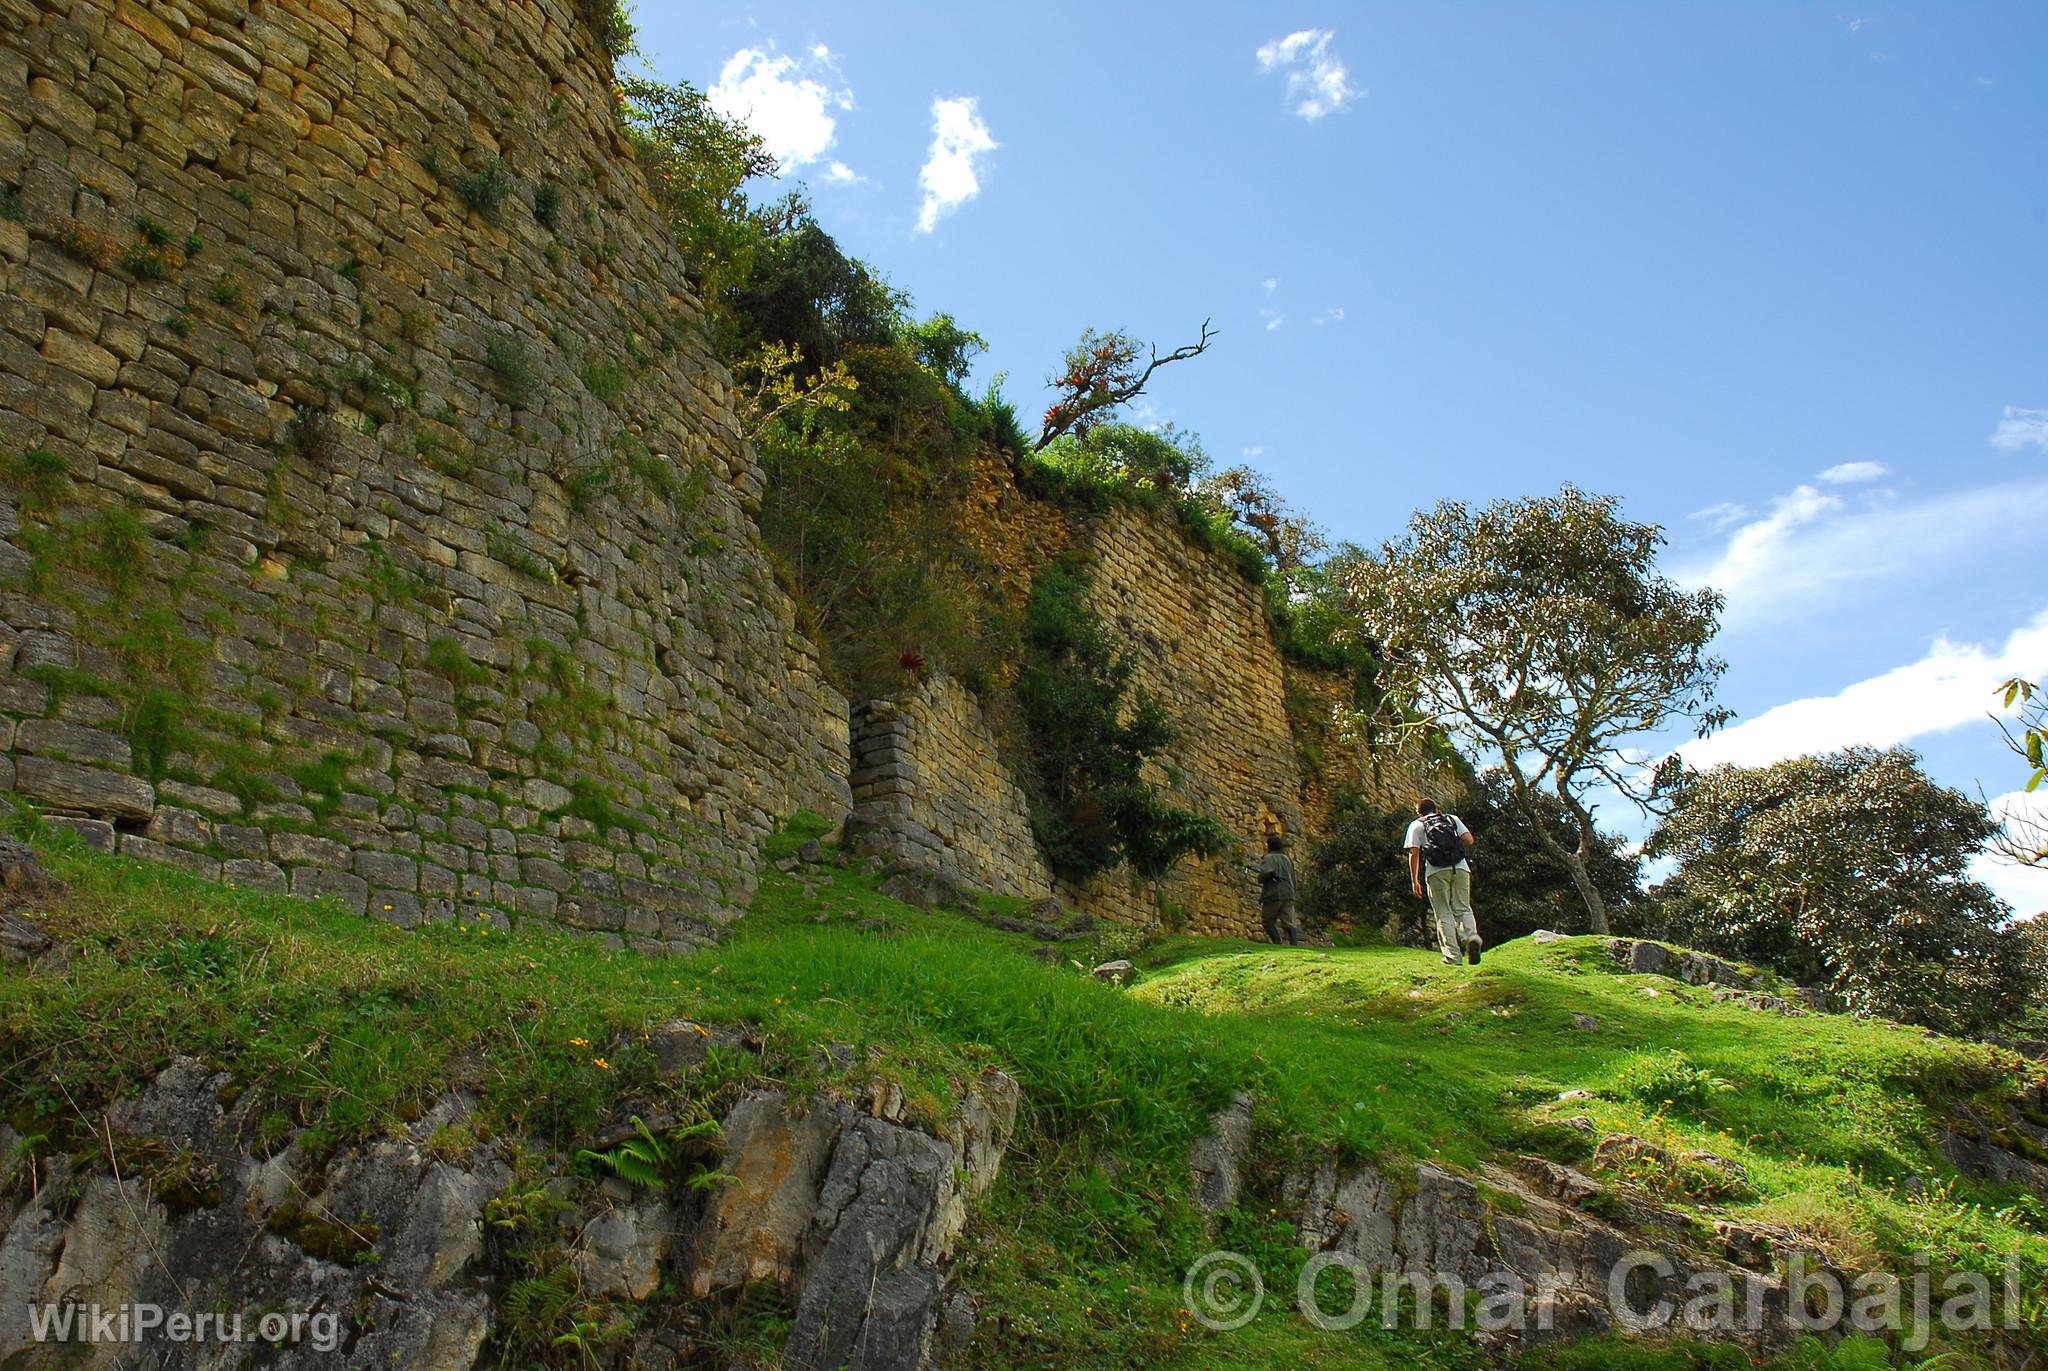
column 1437, row 844
column 1276, row 893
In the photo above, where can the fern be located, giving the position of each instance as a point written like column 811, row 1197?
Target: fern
column 638, row 1161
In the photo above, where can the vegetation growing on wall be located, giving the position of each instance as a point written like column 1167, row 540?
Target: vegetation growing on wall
column 1091, row 733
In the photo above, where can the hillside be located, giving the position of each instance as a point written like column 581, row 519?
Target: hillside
column 477, row 1063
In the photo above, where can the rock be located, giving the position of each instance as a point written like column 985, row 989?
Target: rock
column 620, row 1251
column 810, row 851
column 1081, row 924
column 681, row 1044
column 1119, row 971
column 1216, row 1157
column 785, row 864
column 906, row 889
column 1544, row 936
column 1048, row 911
column 1004, row 923
column 753, row 1229
column 1617, row 1150
column 947, row 892
column 1049, row 955
column 1571, row 1095
column 1648, row 959
column 1046, row 933
column 19, row 870
column 21, row 941
column 1585, row 1023
column 1561, row 1182
column 1728, row 1167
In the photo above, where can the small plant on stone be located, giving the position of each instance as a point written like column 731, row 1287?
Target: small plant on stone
column 180, row 323
column 484, row 190
column 505, row 354
column 40, row 477
column 10, row 205
column 153, row 233
column 82, row 243
column 148, row 261
column 603, row 380
column 547, row 203
column 312, row 433
column 226, row 291
column 241, row 195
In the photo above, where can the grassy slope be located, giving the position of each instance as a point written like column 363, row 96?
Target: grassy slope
column 347, row 1027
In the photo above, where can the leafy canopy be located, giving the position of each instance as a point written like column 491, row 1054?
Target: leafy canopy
column 1848, row 871
column 1540, row 631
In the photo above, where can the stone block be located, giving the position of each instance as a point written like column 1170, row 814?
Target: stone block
column 313, row 883
column 66, row 785
column 399, row 907
column 251, row 874
column 388, row 869
column 194, row 863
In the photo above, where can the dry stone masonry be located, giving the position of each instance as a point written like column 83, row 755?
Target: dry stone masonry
column 374, row 521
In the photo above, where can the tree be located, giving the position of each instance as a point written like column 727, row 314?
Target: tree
column 1101, row 374
column 2022, row 838
column 697, row 162
column 1247, row 497
column 1359, row 868
column 1539, row 631
column 1849, row 871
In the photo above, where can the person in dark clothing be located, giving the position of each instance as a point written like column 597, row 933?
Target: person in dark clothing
column 1276, row 893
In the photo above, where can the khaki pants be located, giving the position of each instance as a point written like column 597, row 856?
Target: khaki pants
column 1450, row 899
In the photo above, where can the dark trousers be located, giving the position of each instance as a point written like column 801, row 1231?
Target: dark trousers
column 1281, row 924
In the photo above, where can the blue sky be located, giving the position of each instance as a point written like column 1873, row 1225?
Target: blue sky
column 1773, row 273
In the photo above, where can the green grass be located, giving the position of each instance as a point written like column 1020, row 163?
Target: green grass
column 349, row 1028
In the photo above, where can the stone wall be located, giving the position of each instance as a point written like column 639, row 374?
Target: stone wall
column 927, row 771
column 373, row 517
column 928, row 768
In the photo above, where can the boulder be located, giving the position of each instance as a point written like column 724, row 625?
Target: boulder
column 1118, row 972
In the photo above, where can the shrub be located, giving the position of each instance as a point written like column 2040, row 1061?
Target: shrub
column 611, row 25
column 484, row 189
column 505, row 354
column 312, row 433
column 39, row 475
column 1670, row 1078
column 696, row 161
column 1091, row 732
column 226, row 290
column 10, row 205
column 547, row 203
column 603, row 380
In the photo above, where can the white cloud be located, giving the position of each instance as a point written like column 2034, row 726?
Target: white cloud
column 1722, row 515
column 1275, row 322
column 2025, row 888
column 841, row 174
column 2021, row 429
column 950, row 177
column 1333, row 314
column 1850, row 473
column 1814, row 548
column 1256, row 450
column 788, row 101
column 1270, row 284
column 1953, row 685
column 1317, row 83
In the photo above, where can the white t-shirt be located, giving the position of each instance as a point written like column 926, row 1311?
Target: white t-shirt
column 1417, row 839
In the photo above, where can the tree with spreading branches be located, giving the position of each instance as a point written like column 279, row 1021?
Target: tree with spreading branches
column 1101, row 375
column 2023, row 837
column 1539, row 632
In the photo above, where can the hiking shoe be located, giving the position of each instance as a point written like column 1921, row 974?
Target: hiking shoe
column 1452, row 961
column 1472, row 950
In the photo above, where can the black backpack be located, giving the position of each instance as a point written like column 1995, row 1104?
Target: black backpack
column 1441, row 846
